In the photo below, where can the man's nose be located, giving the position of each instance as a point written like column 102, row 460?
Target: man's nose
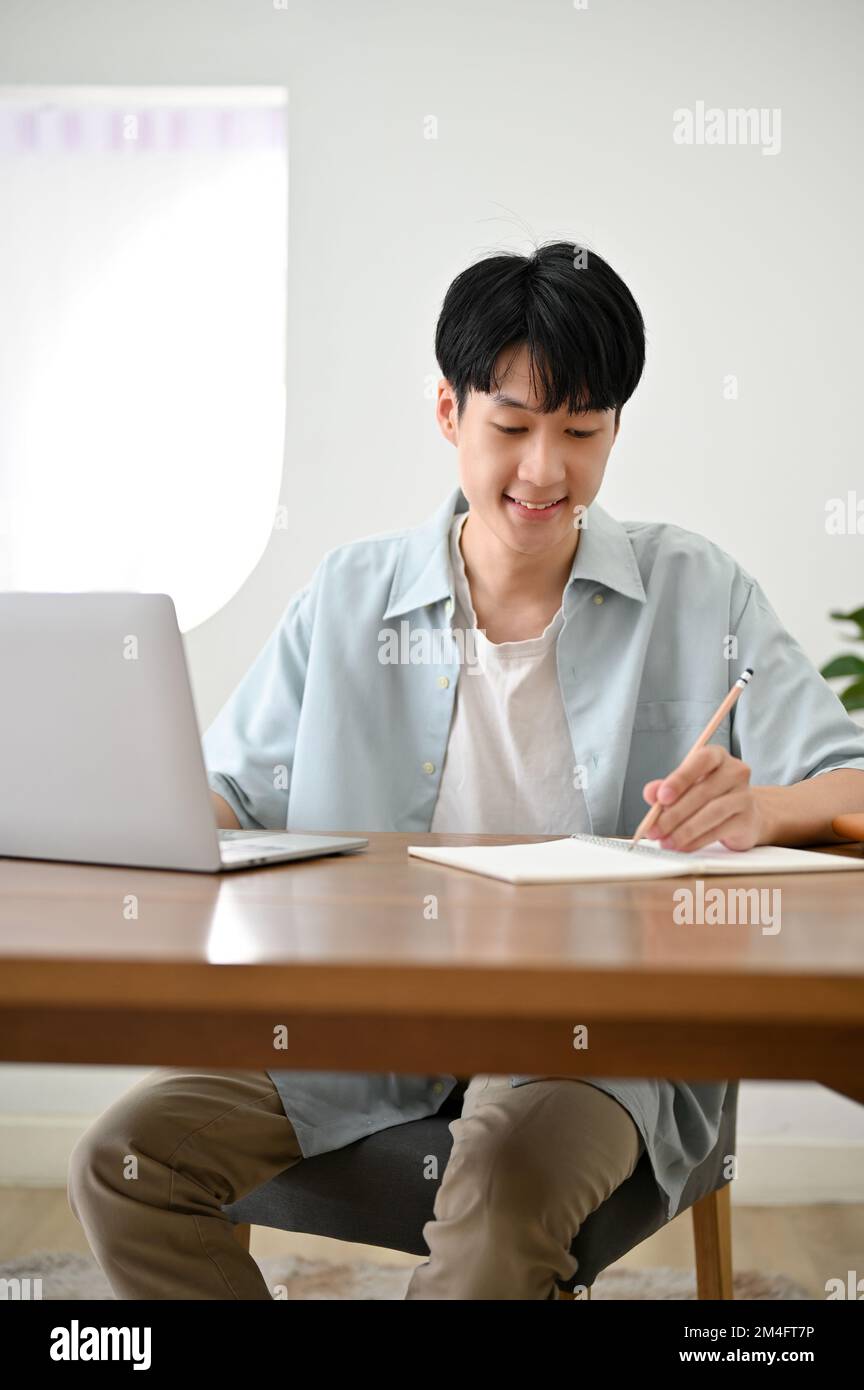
column 541, row 465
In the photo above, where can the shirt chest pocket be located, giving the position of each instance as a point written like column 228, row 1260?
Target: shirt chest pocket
column 663, row 733
column 676, row 716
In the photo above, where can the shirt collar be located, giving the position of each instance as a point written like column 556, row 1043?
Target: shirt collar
column 604, row 556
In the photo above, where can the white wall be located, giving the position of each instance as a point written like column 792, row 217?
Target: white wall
column 552, row 122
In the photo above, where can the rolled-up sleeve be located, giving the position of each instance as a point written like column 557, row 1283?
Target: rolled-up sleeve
column 249, row 747
column 788, row 724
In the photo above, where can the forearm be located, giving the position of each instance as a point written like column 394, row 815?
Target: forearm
column 225, row 817
column 802, row 814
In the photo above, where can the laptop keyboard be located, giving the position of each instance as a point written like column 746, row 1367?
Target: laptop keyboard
column 252, row 845
column 229, row 853
column 239, row 844
column 257, row 847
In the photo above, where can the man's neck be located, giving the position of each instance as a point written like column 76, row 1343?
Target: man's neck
column 515, row 596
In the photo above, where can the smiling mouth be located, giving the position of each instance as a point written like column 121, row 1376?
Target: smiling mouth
column 524, row 504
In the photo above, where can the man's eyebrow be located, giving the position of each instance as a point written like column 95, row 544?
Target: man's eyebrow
column 500, row 399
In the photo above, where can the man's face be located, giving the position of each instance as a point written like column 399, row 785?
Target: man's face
column 511, row 455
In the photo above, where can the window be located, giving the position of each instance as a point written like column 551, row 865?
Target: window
column 142, row 356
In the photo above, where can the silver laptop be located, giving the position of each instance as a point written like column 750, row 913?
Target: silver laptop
column 100, row 753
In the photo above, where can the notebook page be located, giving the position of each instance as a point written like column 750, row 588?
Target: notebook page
column 589, row 858
column 770, row 859
column 576, row 859
column 715, row 858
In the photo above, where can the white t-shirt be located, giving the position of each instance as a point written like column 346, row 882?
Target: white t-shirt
column 509, row 767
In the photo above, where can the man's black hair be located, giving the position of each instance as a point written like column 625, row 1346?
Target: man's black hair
column 582, row 326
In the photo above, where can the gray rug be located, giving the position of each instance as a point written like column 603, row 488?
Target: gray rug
column 66, row 1275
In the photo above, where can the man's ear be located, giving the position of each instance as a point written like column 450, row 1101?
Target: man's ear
column 445, row 411
column 617, row 424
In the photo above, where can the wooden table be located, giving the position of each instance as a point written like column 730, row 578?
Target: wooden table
column 380, row 962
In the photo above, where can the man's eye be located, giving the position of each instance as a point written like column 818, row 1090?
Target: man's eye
column 519, row 429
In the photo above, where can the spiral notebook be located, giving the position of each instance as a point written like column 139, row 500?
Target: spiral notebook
column 594, row 858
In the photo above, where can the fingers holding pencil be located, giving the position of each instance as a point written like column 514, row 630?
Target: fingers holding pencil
column 686, row 768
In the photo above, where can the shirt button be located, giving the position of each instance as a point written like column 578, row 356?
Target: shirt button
column 443, row 681
column 438, row 1087
column 428, row 767
column 598, row 598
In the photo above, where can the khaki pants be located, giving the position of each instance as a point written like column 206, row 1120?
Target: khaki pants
column 529, row 1163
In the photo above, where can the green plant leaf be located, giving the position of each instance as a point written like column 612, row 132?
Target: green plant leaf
column 853, row 696
column 843, row 666
column 856, row 616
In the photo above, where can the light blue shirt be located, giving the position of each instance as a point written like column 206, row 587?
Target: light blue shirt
column 324, row 733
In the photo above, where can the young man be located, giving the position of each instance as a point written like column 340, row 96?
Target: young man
column 598, row 651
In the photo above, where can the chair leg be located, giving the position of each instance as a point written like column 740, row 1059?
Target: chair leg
column 712, row 1238
column 243, row 1235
